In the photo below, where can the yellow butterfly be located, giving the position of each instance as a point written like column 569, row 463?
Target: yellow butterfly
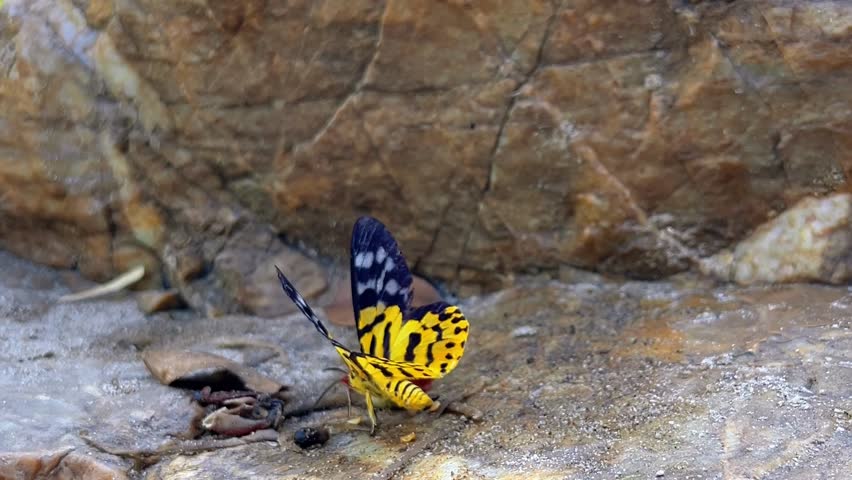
column 402, row 348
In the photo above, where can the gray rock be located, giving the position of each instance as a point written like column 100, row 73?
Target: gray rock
column 622, row 382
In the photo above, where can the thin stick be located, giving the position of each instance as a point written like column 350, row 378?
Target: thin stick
column 117, row 284
column 171, row 448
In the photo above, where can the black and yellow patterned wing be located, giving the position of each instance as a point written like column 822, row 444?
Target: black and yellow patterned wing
column 381, row 286
column 433, row 336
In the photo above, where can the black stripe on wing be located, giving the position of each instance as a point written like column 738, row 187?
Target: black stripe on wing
column 378, row 269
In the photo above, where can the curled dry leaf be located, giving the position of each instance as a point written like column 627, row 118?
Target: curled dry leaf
column 239, row 413
column 224, row 422
column 408, row 438
column 55, row 465
column 196, row 370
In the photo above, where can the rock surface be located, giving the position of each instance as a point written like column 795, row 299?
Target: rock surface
column 583, row 380
column 810, row 241
column 59, row 465
column 493, row 137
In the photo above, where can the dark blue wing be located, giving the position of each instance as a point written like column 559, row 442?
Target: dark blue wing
column 381, row 286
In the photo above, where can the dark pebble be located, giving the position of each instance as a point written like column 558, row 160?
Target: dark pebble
column 310, row 437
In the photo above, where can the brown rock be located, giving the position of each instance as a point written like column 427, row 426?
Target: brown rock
column 493, row 138
column 261, row 292
column 339, row 310
column 99, row 12
column 158, row 301
column 55, row 465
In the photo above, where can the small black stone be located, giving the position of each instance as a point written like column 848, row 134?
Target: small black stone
column 308, row 437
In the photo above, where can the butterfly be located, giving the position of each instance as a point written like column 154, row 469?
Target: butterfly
column 402, row 348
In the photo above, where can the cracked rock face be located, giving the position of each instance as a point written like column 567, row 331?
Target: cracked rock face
column 492, row 137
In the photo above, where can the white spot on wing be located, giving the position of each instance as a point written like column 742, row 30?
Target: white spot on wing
column 381, row 254
column 362, row 287
column 368, row 260
column 392, row 287
column 359, row 259
column 389, row 264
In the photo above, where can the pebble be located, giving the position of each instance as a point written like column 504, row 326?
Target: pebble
column 308, row 437
column 660, row 473
column 524, row 331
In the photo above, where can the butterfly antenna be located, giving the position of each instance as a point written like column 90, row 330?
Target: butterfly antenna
column 300, row 302
column 337, row 369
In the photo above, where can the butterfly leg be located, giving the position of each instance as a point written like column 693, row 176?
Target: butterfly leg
column 348, row 404
column 372, row 412
column 324, row 392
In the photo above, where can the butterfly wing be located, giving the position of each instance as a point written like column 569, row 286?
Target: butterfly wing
column 434, row 336
column 381, row 286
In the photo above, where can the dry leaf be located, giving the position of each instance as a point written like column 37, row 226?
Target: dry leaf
column 195, row 370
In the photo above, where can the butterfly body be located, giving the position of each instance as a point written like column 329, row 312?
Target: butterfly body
column 402, row 348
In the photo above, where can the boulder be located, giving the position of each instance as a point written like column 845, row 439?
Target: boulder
column 493, row 138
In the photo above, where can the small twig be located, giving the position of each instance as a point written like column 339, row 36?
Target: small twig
column 473, row 390
column 117, row 284
column 147, row 456
column 465, row 410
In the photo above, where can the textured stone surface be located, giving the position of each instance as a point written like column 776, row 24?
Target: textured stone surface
column 590, row 380
column 493, row 137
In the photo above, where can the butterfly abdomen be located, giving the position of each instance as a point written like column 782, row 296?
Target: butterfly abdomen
column 408, row 395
